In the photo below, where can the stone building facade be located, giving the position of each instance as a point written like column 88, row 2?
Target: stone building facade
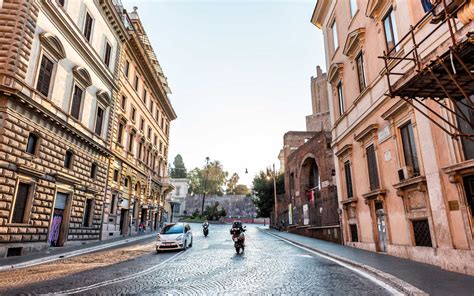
column 176, row 199
column 401, row 125
column 310, row 206
column 138, row 175
column 57, row 65
column 319, row 120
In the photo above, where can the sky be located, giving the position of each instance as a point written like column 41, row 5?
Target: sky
column 240, row 75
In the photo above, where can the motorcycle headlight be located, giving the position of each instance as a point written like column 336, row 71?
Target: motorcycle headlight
column 179, row 238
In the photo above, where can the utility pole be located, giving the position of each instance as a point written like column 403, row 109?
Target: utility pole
column 275, row 195
column 205, row 185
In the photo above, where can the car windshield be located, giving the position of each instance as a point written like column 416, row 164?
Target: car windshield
column 172, row 229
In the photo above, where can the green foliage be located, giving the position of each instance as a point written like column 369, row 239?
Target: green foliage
column 179, row 170
column 211, row 179
column 213, row 213
column 232, row 183
column 264, row 194
column 241, row 189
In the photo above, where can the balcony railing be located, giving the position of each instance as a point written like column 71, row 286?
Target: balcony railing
column 442, row 72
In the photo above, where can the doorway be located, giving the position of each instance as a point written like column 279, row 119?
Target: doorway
column 469, row 189
column 124, row 216
column 58, row 228
column 381, row 227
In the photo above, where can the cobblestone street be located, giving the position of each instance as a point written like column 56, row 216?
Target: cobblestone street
column 268, row 266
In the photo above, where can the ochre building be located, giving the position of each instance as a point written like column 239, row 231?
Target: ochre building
column 401, row 102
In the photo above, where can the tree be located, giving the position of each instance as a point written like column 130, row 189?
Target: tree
column 211, row 178
column 231, row 183
column 263, row 189
column 213, row 212
column 179, row 170
column 241, row 189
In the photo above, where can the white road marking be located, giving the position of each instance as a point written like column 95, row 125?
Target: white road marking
column 120, row 279
column 124, row 278
column 382, row 284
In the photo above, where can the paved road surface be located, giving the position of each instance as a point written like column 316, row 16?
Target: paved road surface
column 268, row 266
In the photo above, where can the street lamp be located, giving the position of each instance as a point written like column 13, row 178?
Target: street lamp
column 205, row 185
column 273, row 175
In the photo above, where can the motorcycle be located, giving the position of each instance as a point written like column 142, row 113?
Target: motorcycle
column 205, row 230
column 238, row 238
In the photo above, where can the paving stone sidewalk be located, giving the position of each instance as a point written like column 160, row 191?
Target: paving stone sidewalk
column 52, row 254
column 428, row 278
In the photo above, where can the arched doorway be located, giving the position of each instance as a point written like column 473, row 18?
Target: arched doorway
column 310, row 185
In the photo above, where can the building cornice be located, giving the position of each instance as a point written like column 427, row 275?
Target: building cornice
column 354, row 42
column 136, row 48
column 369, row 130
column 320, row 11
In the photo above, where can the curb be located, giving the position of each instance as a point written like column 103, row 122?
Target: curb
column 389, row 279
column 70, row 254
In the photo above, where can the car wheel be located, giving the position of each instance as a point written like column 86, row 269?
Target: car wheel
column 191, row 244
column 185, row 246
column 157, row 251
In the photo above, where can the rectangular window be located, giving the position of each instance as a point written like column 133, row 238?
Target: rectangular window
column 123, row 102
column 130, row 141
column 21, row 202
column 127, row 68
column 140, row 148
column 372, row 167
column 136, row 83
column 120, row 133
column 152, row 106
column 93, row 171
column 149, row 132
column 133, row 113
column 32, row 144
column 88, row 26
column 142, row 124
column 68, row 158
column 113, row 204
column 99, row 119
column 361, row 72
column 76, row 102
column 161, row 147
column 421, row 232
column 155, row 140
column 340, row 95
column 354, row 236
column 409, row 148
column 44, row 75
column 390, row 30
column 335, row 43
column 61, row 2
column 144, row 95
column 88, row 212
column 348, row 175
column 108, row 50
column 116, row 173
column 353, row 4
column 162, row 122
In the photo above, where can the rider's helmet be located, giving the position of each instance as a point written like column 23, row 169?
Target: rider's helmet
column 237, row 224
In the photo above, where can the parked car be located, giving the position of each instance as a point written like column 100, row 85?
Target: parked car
column 175, row 236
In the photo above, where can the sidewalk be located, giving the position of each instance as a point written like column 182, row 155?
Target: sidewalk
column 428, row 278
column 54, row 254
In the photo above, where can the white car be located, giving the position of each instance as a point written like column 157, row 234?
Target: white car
column 176, row 236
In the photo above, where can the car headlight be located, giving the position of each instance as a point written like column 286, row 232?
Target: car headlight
column 179, row 238
column 158, row 238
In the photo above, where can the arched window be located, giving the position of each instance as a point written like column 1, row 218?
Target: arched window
column 32, row 145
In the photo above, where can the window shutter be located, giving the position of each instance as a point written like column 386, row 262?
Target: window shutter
column 76, row 102
column 372, row 166
column 44, row 76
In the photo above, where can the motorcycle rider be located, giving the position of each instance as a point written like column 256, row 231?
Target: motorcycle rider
column 237, row 232
column 205, row 227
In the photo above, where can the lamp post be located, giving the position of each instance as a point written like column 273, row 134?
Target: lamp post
column 273, row 175
column 205, row 185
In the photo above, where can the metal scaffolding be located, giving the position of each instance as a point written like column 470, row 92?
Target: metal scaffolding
column 443, row 77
